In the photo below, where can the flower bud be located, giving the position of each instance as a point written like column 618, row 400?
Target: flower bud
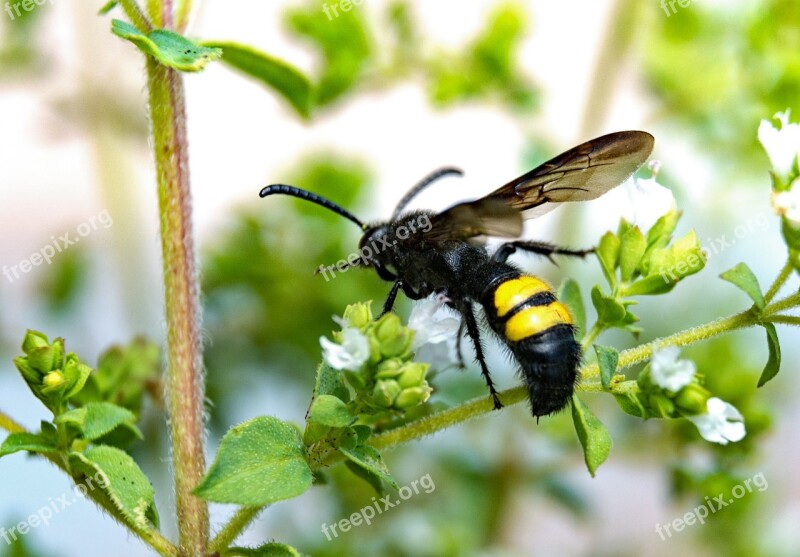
column 412, row 397
column 33, row 340
column 28, row 373
column 692, row 400
column 394, row 339
column 53, row 381
column 385, row 392
column 389, row 369
column 358, row 315
column 661, row 406
column 413, row 375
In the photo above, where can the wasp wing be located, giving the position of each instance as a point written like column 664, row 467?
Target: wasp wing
column 584, row 172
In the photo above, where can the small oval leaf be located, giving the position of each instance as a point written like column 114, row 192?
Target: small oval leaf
column 593, row 435
column 259, row 462
column 742, row 277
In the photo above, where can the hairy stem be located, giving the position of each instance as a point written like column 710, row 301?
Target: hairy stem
column 783, row 276
column 184, row 377
column 234, row 527
column 136, row 15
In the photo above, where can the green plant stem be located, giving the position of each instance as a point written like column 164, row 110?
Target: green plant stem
column 591, row 336
column 783, row 276
column 148, row 535
column 785, row 319
column 182, row 15
column 184, row 377
column 234, row 527
column 136, row 15
column 787, row 303
column 9, row 424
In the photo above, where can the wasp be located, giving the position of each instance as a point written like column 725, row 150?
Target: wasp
column 448, row 257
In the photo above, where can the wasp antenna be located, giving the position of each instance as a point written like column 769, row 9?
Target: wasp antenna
column 424, row 183
column 313, row 198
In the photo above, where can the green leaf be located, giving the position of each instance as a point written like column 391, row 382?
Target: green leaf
column 273, row 549
column 121, row 480
column 608, row 255
column 330, row 411
column 570, row 294
column 285, row 79
column 24, row 441
column 169, row 48
column 662, row 230
column 96, row 419
column 655, row 284
column 609, row 311
column 343, row 44
column 774, row 362
column 743, row 277
column 630, row 404
column 259, row 462
column 330, row 381
column 107, row 7
column 593, row 435
column 631, row 250
column 370, row 460
column 607, row 358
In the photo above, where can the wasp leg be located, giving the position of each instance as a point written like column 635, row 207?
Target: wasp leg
column 389, row 303
column 474, row 334
column 540, row 248
column 459, row 337
column 407, row 290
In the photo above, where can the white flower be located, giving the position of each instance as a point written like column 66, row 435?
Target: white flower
column 787, row 203
column 722, row 422
column 649, row 199
column 434, row 333
column 430, row 325
column 668, row 372
column 350, row 355
column 782, row 145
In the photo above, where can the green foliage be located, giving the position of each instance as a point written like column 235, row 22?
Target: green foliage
column 121, row 481
column 593, row 435
column 170, row 49
column 285, row 79
column 345, row 48
column 721, row 71
column 488, row 66
column 265, row 456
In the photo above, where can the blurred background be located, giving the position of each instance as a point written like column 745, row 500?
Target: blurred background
column 405, row 87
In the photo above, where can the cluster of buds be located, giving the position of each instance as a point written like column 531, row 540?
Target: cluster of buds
column 669, row 387
column 376, row 359
column 54, row 377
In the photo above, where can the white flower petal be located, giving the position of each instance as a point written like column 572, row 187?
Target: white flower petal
column 781, row 144
column 434, row 333
column 787, row 203
column 721, row 424
column 431, row 325
column 649, row 200
column 669, row 372
column 349, row 355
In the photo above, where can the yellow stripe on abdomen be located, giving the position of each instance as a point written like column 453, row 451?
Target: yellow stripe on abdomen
column 536, row 319
column 513, row 292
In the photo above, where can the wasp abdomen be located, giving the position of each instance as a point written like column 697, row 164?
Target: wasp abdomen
column 524, row 312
